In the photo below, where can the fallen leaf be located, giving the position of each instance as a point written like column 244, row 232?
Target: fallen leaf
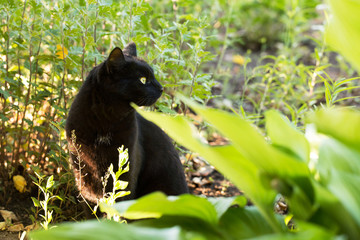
column 33, row 226
column 19, row 183
column 8, row 215
column 16, row 228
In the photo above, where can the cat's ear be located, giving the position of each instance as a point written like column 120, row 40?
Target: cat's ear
column 130, row 49
column 115, row 59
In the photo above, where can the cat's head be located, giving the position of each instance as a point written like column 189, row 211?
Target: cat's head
column 125, row 77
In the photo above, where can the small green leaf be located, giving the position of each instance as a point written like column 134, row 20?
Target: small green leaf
column 50, row 182
column 121, row 194
column 120, row 185
column 36, row 202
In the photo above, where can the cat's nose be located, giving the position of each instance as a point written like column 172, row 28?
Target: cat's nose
column 160, row 87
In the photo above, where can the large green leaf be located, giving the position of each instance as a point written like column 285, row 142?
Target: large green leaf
column 275, row 164
column 336, row 155
column 332, row 214
column 250, row 143
column 227, row 159
column 94, row 230
column 343, row 32
column 192, row 213
column 307, row 231
column 157, row 204
column 240, row 223
column 286, row 137
column 346, row 187
column 187, row 224
column 341, row 124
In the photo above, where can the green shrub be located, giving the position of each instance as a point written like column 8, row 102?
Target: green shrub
column 48, row 47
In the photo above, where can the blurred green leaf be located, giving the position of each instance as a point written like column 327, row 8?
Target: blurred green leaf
column 157, row 204
column 346, row 186
column 343, row 31
column 94, row 230
column 241, row 223
column 341, row 124
column 286, row 137
column 335, row 155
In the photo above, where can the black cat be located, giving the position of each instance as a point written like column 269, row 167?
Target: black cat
column 103, row 121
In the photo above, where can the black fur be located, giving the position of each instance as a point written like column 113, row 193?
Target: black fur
column 103, row 120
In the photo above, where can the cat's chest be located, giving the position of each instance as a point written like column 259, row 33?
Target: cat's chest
column 104, row 139
column 116, row 138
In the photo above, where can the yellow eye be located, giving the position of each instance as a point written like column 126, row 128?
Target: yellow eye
column 143, row 80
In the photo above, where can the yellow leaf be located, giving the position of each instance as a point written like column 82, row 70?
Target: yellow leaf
column 19, row 183
column 288, row 218
column 61, row 52
column 238, row 59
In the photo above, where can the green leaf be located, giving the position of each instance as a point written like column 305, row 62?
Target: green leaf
column 157, row 204
column 94, row 230
column 335, row 155
column 248, row 141
column 223, row 204
column 36, row 202
column 50, row 182
column 346, row 186
column 341, row 124
column 308, row 232
column 246, row 222
column 332, row 214
column 121, row 194
column 5, row 94
column 192, row 226
column 272, row 162
column 343, row 31
column 285, row 136
column 227, row 159
column 120, row 185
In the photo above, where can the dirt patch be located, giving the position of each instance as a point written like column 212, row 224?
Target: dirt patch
column 5, row 235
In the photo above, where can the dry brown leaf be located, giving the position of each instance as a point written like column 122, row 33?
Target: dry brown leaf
column 33, row 226
column 8, row 215
column 16, row 228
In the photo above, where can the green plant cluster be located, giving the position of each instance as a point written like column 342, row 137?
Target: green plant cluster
column 318, row 176
column 48, row 47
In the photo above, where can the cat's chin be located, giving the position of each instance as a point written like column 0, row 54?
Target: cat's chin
column 146, row 102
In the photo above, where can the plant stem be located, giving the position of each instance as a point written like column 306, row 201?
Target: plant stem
column 3, row 132
column 16, row 150
column 130, row 22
